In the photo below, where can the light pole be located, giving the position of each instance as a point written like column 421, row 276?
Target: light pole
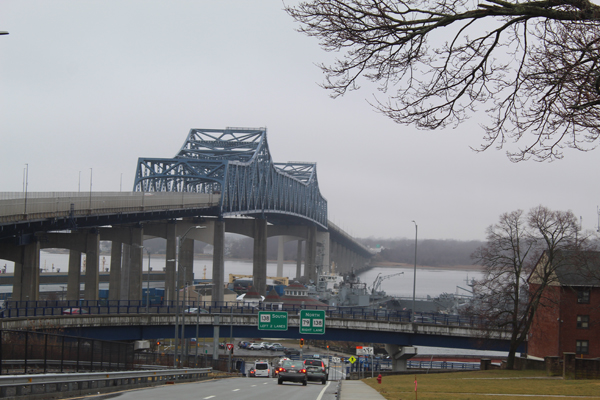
column 412, row 317
column 25, row 185
column 176, row 350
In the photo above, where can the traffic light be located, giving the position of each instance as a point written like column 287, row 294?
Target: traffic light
column 301, row 343
column 158, row 343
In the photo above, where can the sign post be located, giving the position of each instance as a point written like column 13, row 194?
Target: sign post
column 272, row 321
column 312, row 322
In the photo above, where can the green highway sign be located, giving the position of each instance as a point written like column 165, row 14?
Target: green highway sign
column 272, row 320
column 312, row 322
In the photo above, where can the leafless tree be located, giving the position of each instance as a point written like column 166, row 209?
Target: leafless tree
column 520, row 248
column 531, row 66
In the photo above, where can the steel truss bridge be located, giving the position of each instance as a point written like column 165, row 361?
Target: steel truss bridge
column 236, row 163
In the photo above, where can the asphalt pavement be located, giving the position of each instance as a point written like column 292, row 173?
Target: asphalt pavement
column 358, row 390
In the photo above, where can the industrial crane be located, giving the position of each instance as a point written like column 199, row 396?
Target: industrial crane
column 379, row 279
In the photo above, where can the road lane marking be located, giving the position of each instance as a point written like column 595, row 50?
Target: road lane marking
column 235, row 390
column 209, row 397
column 323, row 391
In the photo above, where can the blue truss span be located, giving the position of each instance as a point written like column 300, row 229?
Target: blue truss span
column 236, row 163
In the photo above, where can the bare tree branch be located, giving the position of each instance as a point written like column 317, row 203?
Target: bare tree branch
column 532, row 66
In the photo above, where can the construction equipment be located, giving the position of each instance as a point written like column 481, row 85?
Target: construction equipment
column 379, row 279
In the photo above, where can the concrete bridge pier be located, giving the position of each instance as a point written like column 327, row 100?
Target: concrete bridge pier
column 92, row 257
column 299, row 260
column 170, row 261
column 280, row 255
column 400, row 355
column 74, row 275
column 186, row 263
column 134, row 270
column 26, row 284
column 218, row 273
column 310, row 268
column 259, row 265
column 114, row 280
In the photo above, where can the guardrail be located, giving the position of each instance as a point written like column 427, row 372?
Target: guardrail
column 64, row 385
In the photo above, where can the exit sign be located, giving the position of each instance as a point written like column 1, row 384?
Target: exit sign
column 272, row 320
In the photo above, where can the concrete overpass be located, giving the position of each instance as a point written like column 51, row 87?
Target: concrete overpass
column 400, row 336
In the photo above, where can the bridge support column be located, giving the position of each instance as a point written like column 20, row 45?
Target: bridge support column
column 135, row 268
column 299, row 260
column 186, row 260
column 259, row 268
column 26, row 283
column 323, row 239
column 400, row 355
column 125, row 271
column 280, row 255
column 218, row 261
column 114, row 280
column 310, row 270
column 74, row 275
column 92, row 258
column 170, row 261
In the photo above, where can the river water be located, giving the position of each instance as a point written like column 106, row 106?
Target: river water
column 430, row 281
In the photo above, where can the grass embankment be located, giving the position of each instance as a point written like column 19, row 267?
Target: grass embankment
column 505, row 385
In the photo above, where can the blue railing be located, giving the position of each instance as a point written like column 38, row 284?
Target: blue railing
column 16, row 309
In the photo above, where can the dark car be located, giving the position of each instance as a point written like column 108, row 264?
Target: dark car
column 292, row 371
column 316, row 370
column 316, row 374
column 289, row 351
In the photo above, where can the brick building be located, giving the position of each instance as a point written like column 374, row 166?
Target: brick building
column 568, row 318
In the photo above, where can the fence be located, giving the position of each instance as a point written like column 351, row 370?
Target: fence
column 23, row 352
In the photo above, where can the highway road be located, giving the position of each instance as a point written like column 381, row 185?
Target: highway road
column 232, row 389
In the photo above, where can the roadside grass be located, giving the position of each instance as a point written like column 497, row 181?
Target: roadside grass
column 476, row 385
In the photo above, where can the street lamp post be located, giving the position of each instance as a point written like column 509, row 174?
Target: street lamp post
column 412, row 319
column 176, row 350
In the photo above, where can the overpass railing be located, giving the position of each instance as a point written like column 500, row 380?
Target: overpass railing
column 18, row 206
column 17, row 309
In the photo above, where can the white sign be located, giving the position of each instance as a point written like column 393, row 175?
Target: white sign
column 364, row 351
column 335, row 359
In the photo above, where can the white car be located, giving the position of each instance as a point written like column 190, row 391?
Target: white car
column 254, row 346
column 265, row 345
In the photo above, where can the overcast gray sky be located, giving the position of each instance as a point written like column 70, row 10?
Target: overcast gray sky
column 97, row 84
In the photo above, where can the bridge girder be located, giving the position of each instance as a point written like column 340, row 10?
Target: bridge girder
column 236, row 163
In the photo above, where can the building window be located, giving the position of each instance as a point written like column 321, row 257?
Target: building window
column 583, row 321
column 582, row 347
column 583, row 296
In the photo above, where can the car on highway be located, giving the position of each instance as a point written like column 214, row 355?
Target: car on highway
column 261, row 368
column 264, row 345
column 292, row 371
column 243, row 344
column 316, row 374
column 74, row 311
column 290, row 351
column 276, row 347
column 254, row 346
column 196, row 310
